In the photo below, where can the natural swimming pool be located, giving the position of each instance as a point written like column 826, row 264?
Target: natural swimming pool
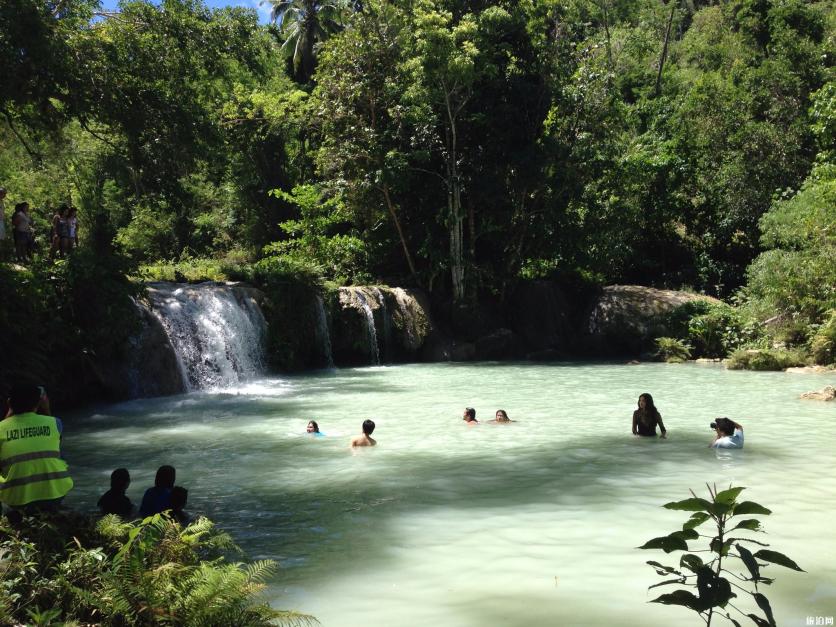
column 533, row 523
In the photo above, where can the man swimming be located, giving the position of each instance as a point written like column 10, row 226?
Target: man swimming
column 366, row 439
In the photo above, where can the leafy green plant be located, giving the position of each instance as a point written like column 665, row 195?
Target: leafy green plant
column 823, row 344
column 730, row 580
column 149, row 572
column 671, row 350
column 776, row 359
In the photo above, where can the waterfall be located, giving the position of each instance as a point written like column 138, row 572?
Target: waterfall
column 322, row 334
column 367, row 310
column 387, row 325
column 216, row 330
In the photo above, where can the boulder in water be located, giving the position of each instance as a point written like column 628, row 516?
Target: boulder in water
column 828, row 393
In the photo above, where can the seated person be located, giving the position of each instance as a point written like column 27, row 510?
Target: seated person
column 313, row 429
column 365, row 439
column 158, row 498
column 646, row 417
column 179, row 495
column 114, row 501
column 469, row 416
column 729, row 434
column 501, row 418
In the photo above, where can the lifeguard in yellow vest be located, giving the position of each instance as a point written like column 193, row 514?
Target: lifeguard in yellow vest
column 32, row 473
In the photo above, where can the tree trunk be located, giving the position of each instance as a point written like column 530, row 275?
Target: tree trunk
column 397, row 222
column 664, row 54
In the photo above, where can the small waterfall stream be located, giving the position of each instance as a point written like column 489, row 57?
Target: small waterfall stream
column 322, row 334
column 367, row 310
column 216, row 330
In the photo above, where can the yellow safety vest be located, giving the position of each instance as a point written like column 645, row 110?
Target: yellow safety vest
column 31, row 468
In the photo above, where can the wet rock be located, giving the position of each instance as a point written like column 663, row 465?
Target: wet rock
column 828, row 393
column 501, row 344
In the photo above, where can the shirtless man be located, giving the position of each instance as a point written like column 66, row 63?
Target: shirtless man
column 366, row 439
column 469, row 417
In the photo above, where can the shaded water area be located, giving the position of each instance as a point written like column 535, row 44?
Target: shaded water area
column 533, row 523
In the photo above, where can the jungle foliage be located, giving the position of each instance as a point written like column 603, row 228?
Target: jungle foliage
column 70, row 569
column 455, row 145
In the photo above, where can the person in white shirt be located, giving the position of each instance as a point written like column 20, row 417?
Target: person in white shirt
column 728, row 434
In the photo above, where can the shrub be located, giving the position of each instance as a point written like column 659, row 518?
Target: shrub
column 823, row 344
column 672, row 350
column 712, row 329
column 151, row 572
column 766, row 359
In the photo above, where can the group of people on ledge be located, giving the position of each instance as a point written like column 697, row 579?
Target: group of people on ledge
column 727, row 433
column 63, row 237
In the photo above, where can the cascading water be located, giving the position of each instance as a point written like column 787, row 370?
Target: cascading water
column 387, row 325
column 367, row 310
column 216, row 330
column 322, row 334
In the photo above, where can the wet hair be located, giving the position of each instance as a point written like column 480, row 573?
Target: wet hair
column 24, row 398
column 650, row 408
column 471, row 413
column 368, row 427
column 315, row 426
column 504, row 415
column 726, row 425
column 179, row 495
column 165, row 477
column 120, row 479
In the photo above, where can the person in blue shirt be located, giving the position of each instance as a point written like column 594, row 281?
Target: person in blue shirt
column 728, row 434
column 158, row 498
column 313, row 429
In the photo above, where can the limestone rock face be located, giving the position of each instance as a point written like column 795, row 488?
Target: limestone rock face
column 828, row 393
column 501, row 344
column 626, row 318
column 378, row 324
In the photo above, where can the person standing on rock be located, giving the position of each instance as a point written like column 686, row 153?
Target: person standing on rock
column 646, row 417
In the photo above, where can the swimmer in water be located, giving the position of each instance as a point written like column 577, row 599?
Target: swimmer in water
column 366, row 439
column 501, row 418
column 469, row 416
column 313, row 429
column 646, row 417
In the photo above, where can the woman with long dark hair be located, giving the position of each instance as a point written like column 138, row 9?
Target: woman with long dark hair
column 646, row 417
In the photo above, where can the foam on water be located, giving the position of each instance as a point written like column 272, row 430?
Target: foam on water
column 532, row 523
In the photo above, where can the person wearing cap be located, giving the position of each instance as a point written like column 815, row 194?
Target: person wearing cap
column 728, row 434
column 33, row 476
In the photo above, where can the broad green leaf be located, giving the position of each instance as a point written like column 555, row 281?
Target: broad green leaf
column 718, row 509
column 661, row 569
column 728, row 496
column 778, row 558
column 752, row 524
column 689, row 505
column 763, row 603
column 758, row 620
column 680, row 597
column 696, row 519
column 722, row 549
column 665, row 583
column 750, row 561
column 686, row 534
column 750, row 507
column 666, row 543
column 691, row 562
column 714, row 590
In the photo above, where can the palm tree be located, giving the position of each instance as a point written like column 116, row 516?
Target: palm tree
column 306, row 23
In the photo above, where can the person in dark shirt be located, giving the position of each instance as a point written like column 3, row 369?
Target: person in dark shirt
column 114, row 501
column 646, row 417
column 158, row 498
